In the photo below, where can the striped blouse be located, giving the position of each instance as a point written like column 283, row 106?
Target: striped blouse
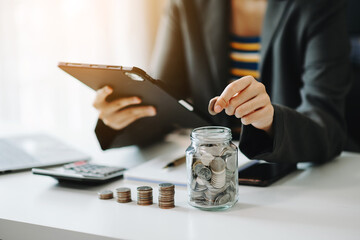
column 244, row 57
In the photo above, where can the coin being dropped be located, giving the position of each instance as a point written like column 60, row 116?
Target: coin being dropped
column 105, row 194
column 211, row 106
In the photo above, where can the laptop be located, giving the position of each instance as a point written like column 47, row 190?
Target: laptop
column 36, row 150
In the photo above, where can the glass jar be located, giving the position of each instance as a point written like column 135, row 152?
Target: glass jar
column 212, row 164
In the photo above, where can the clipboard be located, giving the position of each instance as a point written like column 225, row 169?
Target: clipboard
column 172, row 111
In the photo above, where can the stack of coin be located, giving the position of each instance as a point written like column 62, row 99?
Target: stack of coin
column 105, row 194
column 123, row 195
column 166, row 195
column 145, row 196
column 218, row 172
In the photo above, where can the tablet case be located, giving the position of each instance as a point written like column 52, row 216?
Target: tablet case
column 172, row 112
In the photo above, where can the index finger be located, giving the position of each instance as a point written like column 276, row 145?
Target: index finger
column 229, row 92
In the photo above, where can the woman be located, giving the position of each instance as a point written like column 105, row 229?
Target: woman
column 303, row 68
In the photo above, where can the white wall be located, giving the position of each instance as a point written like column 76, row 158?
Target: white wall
column 36, row 34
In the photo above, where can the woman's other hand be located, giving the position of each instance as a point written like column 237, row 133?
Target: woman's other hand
column 117, row 114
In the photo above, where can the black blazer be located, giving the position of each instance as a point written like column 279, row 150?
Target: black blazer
column 304, row 66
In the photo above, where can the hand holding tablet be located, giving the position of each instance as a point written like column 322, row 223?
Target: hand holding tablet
column 129, row 99
column 121, row 112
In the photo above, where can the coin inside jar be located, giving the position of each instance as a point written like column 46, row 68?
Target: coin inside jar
column 223, row 199
column 204, row 174
column 206, row 158
column 217, row 165
column 197, row 167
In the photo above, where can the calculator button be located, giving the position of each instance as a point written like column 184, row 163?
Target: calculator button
column 80, row 163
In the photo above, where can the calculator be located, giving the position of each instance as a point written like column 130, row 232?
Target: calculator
column 82, row 171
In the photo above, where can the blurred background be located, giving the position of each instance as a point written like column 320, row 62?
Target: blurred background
column 35, row 95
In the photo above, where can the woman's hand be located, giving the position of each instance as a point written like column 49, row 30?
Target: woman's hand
column 247, row 99
column 113, row 113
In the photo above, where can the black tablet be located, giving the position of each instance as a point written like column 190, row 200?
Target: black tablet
column 172, row 112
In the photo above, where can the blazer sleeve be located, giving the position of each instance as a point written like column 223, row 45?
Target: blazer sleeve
column 315, row 131
column 168, row 61
column 168, row 65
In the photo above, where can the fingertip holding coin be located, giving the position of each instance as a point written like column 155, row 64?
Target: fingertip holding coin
column 212, row 105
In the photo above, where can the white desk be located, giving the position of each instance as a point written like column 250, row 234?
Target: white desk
column 315, row 203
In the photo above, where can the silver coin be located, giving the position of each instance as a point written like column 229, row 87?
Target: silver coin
column 200, row 181
column 218, row 180
column 231, row 162
column 211, row 106
column 105, row 192
column 223, row 151
column 229, row 175
column 144, row 188
column 198, row 167
column 206, row 158
column 232, row 190
column 197, row 193
column 193, row 184
column 205, row 173
column 123, row 190
column 211, row 195
column 218, row 190
column 217, row 165
column 212, row 149
column 199, row 200
column 199, row 188
column 166, row 185
column 223, row 199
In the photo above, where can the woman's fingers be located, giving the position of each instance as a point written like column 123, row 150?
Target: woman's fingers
column 117, row 105
column 261, row 118
column 247, row 99
column 233, row 88
column 252, row 105
column 101, row 95
column 113, row 113
column 127, row 116
column 246, row 95
column 135, row 113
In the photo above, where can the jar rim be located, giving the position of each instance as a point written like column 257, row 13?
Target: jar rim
column 211, row 134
